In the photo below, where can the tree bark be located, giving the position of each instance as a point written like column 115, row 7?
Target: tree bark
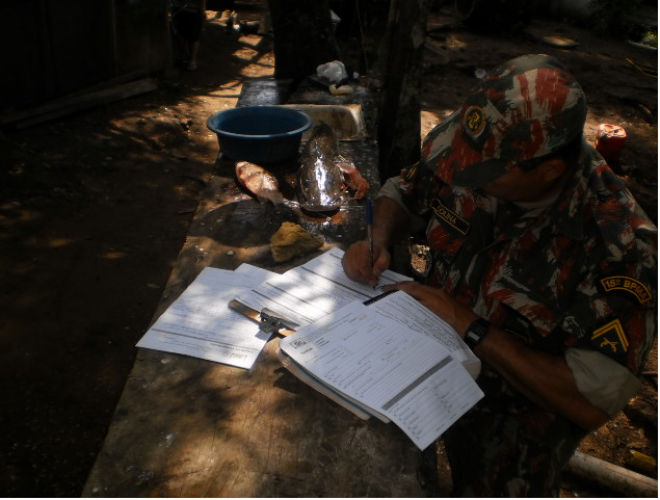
column 399, row 127
column 304, row 37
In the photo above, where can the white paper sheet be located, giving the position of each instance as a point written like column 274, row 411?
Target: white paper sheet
column 408, row 311
column 402, row 373
column 200, row 324
column 309, row 292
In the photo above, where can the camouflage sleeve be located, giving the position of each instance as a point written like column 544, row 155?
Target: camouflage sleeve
column 614, row 309
column 625, row 277
column 391, row 190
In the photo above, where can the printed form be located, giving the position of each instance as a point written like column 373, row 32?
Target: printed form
column 200, row 324
column 408, row 311
column 309, row 292
column 399, row 372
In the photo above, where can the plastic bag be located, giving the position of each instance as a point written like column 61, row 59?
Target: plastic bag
column 333, row 71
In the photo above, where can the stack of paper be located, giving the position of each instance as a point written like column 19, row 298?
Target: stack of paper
column 381, row 355
column 200, row 324
column 380, row 367
column 311, row 291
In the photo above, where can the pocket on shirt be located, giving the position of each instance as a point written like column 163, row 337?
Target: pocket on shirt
column 445, row 242
column 532, row 307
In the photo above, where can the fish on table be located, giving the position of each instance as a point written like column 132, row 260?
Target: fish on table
column 324, row 176
column 259, row 181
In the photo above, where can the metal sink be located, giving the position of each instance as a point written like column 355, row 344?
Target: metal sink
column 347, row 120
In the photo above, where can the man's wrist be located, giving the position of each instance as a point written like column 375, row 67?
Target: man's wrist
column 476, row 332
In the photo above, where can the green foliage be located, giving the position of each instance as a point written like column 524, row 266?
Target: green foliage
column 650, row 38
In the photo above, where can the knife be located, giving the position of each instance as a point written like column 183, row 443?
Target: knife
column 268, row 320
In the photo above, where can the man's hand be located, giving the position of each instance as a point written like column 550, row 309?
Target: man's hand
column 391, row 224
column 438, row 301
column 357, row 262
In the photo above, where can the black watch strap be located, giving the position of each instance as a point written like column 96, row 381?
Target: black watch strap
column 476, row 332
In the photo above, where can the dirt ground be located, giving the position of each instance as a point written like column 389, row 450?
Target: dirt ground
column 95, row 207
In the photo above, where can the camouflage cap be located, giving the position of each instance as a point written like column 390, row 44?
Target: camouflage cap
column 525, row 108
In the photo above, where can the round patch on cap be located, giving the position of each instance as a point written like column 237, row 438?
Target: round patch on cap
column 475, row 121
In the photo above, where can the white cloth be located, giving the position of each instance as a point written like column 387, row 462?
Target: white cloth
column 604, row 382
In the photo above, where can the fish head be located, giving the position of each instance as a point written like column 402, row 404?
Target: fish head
column 323, row 142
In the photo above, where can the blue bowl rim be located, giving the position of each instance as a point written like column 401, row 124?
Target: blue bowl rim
column 287, row 110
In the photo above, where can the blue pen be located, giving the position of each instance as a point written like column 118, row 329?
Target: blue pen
column 370, row 236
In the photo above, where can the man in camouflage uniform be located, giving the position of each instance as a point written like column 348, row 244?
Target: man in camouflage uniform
column 542, row 261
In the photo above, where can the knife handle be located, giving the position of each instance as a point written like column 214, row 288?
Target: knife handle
column 246, row 311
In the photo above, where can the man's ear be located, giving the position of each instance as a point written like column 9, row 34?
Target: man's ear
column 553, row 169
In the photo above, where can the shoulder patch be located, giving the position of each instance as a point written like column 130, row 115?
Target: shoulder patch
column 610, row 339
column 447, row 217
column 475, row 121
column 626, row 284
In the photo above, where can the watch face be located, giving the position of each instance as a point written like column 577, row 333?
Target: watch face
column 472, row 336
column 476, row 332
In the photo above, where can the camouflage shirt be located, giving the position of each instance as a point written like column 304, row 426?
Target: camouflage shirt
column 580, row 272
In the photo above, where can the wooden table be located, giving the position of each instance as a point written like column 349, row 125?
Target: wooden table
column 185, row 427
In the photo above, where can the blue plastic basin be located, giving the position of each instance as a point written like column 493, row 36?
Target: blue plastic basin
column 259, row 134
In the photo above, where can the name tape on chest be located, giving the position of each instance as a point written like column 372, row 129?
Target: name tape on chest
column 447, row 217
column 627, row 285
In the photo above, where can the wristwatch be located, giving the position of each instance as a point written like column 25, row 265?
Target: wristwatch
column 476, row 332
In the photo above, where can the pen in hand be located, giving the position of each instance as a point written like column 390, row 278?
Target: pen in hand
column 370, row 235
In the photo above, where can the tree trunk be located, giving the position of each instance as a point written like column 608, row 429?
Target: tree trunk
column 612, row 477
column 304, row 37
column 399, row 127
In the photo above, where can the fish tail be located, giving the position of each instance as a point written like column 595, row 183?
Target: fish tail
column 275, row 197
